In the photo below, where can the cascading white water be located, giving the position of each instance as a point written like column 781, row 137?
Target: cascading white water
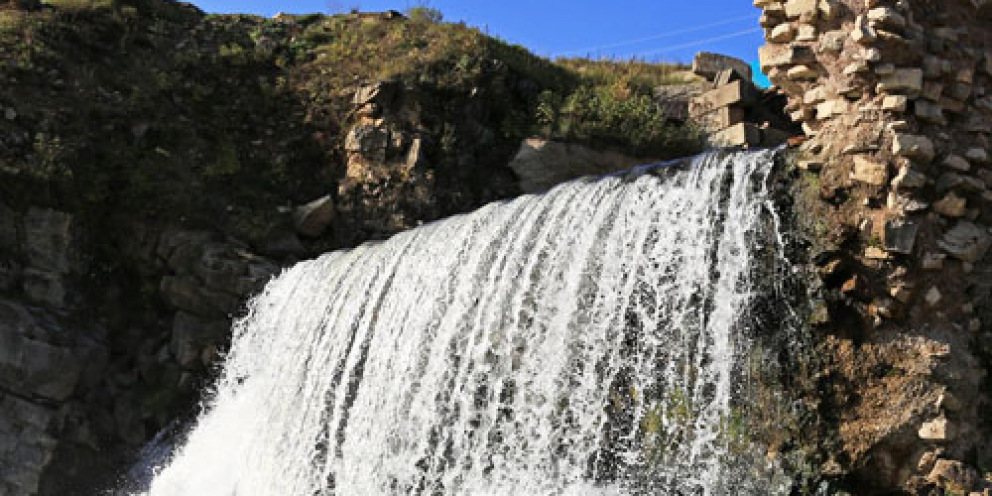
column 585, row 341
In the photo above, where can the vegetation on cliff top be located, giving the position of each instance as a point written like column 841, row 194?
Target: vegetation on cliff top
column 152, row 107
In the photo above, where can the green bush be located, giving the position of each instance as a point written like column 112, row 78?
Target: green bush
column 614, row 116
column 424, row 13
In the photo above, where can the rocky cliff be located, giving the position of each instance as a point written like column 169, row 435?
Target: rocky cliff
column 894, row 97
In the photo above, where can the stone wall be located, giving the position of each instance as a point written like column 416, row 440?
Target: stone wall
column 733, row 111
column 896, row 100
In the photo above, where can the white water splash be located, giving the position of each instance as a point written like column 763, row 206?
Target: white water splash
column 585, row 341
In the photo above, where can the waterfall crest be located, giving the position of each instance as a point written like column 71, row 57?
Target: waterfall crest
column 591, row 340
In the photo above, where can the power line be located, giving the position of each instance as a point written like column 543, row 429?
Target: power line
column 700, row 42
column 667, row 34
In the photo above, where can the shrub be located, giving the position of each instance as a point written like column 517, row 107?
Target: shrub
column 424, row 13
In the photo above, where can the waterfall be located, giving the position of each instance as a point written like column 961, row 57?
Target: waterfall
column 590, row 340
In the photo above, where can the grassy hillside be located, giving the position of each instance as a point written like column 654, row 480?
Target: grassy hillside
column 152, row 108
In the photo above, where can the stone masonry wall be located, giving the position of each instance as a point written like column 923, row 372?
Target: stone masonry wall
column 895, row 98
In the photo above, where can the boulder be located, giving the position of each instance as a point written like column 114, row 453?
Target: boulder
column 189, row 294
column 313, row 219
column 541, row 164
column 708, row 65
column 231, row 269
column 191, row 335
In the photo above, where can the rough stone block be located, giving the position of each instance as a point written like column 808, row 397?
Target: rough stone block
column 900, row 236
column 743, row 134
column 914, row 147
column 895, row 103
column 722, row 118
column 783, row 33
column 830, row 108
column 807, row 32
column 903, row 80
column 829, row 9
column 929, row 112
column 726, row 77
column 870, row 171
column 832, row 41
column 863, row 33
column 966, row 241
column 908, row 178
column 776, row 56
column 951, row 205
column 806, row 10
column 801, row 73
column 955, row 162
column 740, row 93
column 932, row 90
column 708, row 65
column 887, row 17
column 977, row 155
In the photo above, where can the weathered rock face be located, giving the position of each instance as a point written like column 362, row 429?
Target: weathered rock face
column 43, row 361
column 542, row 164
column 894, row 96
column 78, row 392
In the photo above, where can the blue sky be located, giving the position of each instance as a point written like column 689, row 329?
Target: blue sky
column 655, row 30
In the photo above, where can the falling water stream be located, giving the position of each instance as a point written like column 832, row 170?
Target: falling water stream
column 590, row 340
